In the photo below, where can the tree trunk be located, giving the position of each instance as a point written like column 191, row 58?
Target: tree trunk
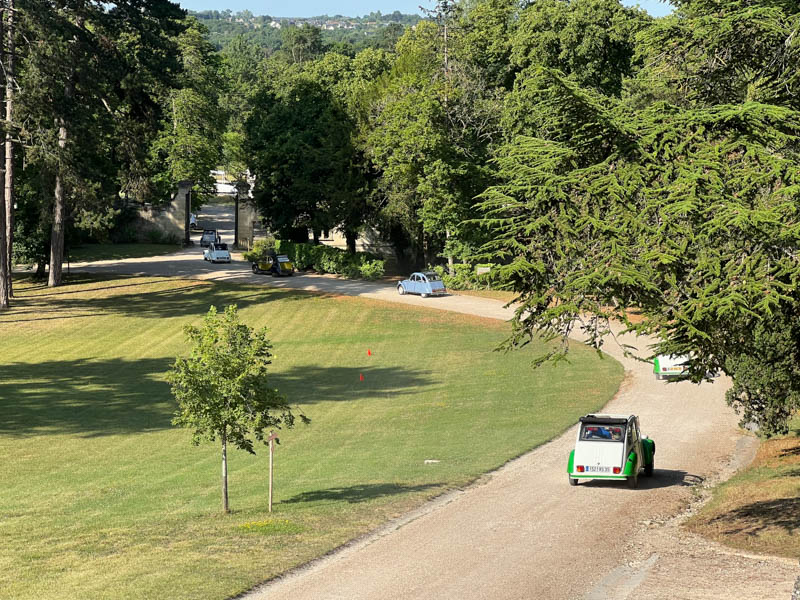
column 351, row 237
column 5, row 258
column 225, row 471
column 59, row 207
column 450, row 267
column 9, row 183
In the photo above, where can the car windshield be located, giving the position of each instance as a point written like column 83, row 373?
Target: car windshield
column 602, row 433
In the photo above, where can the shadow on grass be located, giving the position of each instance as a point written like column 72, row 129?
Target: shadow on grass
column 85, row 397
column 101, row 397
column 752, row 519
column 310, row 384
column 358, row 493
column 794, row 451
column 661, row 478
column 193, row 298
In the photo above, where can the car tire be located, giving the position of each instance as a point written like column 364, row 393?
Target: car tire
column 648, row 468
column 633, row 481
column 255, row 268
column 401, row 290
column 424, row 295
column 659, row 376
column 573, row 481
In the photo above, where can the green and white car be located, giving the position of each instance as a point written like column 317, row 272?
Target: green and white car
column 670, row 366
column 611, row 447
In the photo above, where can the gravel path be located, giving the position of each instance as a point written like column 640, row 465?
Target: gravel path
column 522, row 531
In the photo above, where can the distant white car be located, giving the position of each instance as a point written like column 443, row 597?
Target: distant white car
column 217, row 252
column 670, row 366
column 193, row 220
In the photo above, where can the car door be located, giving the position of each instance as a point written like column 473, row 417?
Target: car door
column 413, row 284
column 424, row 286
column 635, row 444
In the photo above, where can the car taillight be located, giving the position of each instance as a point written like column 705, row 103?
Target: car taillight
column 579, row 468
column 617, row 470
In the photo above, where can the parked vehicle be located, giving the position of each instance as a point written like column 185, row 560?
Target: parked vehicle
column 193, row 220
column 611, row 447
column 209, row 237
column 217, row 252
column 425, row 283
column 670, row 366
column 278, row 265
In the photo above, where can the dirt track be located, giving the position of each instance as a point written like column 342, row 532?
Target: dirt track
column 522, row 531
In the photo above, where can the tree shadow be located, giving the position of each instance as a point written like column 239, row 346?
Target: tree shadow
column 794, row 451
column 311, row 384
column 194, row 297
column 753, row 518
column 85, row 397
column 95, row 397
column 358, row 493
column 662, row 478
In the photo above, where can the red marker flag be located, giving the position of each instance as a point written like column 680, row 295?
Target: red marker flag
column 361, row 377
column 369, row 352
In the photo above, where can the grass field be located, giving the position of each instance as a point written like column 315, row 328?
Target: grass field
column 103, row 498
column 91, row 252
column 758, row 509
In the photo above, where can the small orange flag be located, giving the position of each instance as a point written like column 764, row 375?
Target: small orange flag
column 369, row 352
column 361, row 377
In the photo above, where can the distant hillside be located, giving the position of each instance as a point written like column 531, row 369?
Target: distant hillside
column 374, row 29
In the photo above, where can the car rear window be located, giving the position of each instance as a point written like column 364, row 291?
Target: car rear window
column 602, row 433
column 222, row 246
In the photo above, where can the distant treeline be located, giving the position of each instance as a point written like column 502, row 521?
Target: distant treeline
column 346, row 33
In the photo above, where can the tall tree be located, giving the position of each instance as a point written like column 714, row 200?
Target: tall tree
column 69, row 83
column 689, row 215
column 223, row 389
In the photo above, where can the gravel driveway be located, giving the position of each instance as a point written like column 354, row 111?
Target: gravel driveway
column 522, row 531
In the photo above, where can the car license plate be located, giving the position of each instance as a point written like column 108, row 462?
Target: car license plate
column 590, row 469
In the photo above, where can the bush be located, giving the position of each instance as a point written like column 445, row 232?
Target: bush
column 327, row 259
column 261, row 250
column 372, row 269
column 465, row 277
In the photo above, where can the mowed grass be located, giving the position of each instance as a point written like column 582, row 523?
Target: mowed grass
column 92, row 252
column 103, row 498
column 758, row 509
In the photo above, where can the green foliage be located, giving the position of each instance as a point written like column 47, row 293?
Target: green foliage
column 327, row 259
column 591, row 41
column 222, row 388
column 766, row 376
column 262, row 249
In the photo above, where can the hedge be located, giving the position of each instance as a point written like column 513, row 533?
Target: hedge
column 327, row 259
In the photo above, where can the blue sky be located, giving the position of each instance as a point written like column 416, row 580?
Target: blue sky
column 352, row 8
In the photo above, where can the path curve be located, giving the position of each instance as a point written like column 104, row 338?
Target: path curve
column 522, row 532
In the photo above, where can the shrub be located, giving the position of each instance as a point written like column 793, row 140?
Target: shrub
column 327, row 259
column 261, row 250
column 372, row 269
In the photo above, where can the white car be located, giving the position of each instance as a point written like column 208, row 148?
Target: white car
column 217, row 252
column 611, row 447
column 670, row 366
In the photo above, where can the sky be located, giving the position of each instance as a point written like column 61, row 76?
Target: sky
column 353, row 8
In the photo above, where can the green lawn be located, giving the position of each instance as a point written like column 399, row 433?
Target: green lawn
column 91, row 252
column 102, row 498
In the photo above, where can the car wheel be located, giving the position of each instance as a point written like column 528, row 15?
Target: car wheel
column 424, row 295
column 633, row 481
column 401, row 290
column 648, row 468
column 255, row 268
column 573, row 481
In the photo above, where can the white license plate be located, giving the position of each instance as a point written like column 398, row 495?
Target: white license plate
column 598, row 469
